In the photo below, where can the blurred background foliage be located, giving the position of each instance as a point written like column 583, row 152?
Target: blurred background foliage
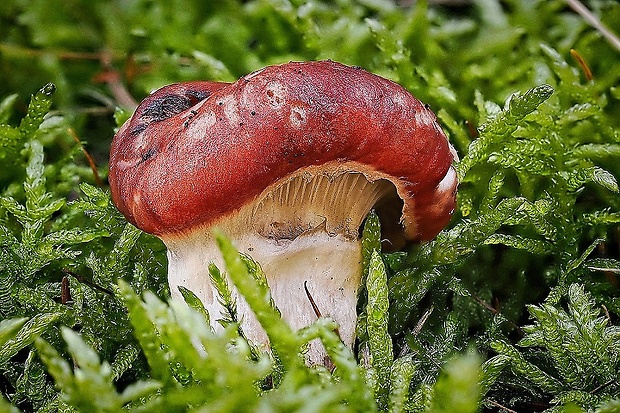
column 527, row 273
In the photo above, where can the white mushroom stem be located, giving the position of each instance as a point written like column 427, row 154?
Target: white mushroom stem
column 330, row 266
column 302, row 231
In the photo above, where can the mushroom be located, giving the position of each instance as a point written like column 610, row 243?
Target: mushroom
column 288, row 161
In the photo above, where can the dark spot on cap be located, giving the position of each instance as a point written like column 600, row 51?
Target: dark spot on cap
column 165, row 107
column 148, row 154
column 196, row 96
column 136, row 130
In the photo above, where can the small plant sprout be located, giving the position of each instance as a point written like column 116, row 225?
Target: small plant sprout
column 287, row 161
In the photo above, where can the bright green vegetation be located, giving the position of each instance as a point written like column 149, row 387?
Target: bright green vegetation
column 516, row 304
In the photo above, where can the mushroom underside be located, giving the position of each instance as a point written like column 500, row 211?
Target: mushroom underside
column 304, row 233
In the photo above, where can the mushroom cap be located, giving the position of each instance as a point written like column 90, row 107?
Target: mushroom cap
column 194, row 153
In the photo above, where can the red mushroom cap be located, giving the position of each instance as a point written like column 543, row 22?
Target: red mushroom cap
column 196, row 152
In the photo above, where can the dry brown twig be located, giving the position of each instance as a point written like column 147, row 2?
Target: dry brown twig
column 595, row 22
column 89, row 158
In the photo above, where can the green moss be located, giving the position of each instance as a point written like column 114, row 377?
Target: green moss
column 527, row 272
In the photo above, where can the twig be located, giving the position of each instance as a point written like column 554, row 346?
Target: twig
column 315, row 308
column 86, row 281
column 496, row 312
column 65, row 292
column 485, row 304
column 93, row 110
column 89, row 159
column 582, row 62
column 602, row 386
column 606, row 312
column 327, row 361
column 113, row 79
column 496, row 404
column 416, row 330
column 422, row 321
column 595, row 22
column 61, row 54
column 471, row 128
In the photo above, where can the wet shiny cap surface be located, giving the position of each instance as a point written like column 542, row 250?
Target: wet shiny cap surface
column 196, row 152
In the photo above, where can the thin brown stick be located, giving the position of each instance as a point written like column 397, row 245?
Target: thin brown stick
column 602, row 386
column 485, row 304
column 595, row 22
column 111, row 76
column 422, row 321
column 606, row 312
column 113, row 79
column 496, row 404
column 61, row 54
column 495, row 312
column 315, row 308
column 89, row 159
column 65, row 292
column 582, row 63
column 88, row 282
